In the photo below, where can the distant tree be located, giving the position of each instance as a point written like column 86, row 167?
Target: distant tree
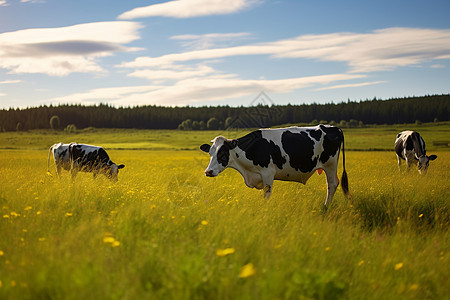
column 353, row 123
column 343, row 123
column 228, row 122
column 55, row 122
column 212, row 124
column 418, row 122
column 71, row 128
column 202, row 125
column 19, row 126
column 195, row 125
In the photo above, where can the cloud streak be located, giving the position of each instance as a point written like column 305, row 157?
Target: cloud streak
column 351, row 85
column 188, row 9
column 196, row 90
column 61, row 51
column 380, row 50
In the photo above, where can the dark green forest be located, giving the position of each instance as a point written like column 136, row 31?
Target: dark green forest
column 350, row 113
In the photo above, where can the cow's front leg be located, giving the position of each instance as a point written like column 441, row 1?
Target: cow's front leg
column 267, row 191
column 58, row 171
column 73, row 172
column 408, row 164
column 267, row 180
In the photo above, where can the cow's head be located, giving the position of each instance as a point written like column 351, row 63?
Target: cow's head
column 113, row 171
column 423, row 163
column 220, row 155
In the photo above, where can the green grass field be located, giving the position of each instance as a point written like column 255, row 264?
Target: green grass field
column 165, row 231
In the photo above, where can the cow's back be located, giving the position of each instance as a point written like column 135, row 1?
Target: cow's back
column 305, row 148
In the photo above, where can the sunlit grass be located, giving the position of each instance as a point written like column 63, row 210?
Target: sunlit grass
column 165, row 231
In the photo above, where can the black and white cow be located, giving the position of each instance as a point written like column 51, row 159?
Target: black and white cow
column 289, row 154
column 410, row 146
column 75, row 157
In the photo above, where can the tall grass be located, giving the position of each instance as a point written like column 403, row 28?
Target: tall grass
column 161, row 232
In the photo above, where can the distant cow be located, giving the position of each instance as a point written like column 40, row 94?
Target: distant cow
column 289, row 154
column 410, row 146
column 86, row 158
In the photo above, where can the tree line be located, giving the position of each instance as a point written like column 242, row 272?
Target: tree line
column 70, row 117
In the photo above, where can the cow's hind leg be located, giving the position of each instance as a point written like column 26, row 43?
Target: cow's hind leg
column 332, row 184
column 399, row 161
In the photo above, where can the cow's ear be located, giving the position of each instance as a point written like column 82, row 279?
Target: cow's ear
column 121, row 166
column 205, row 148
column 432, row 157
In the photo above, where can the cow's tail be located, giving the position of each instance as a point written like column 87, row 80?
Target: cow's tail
column 344, row 178
column 48, row 160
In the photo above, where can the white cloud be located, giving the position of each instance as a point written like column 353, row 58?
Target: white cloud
column 61, row 51
column 210, row 40
column 33, row 1
column 175, row 73
column 437, row 66
column 380, row 50
column 189, row 8
column 3, row 3
column 351, row 85
column 10, row 81
column 195, row 90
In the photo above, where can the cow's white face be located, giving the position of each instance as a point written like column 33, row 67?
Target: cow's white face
column 423, row 163
column 114, row 172
column 220, row 155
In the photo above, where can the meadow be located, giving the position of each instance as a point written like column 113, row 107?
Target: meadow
column 165, row 231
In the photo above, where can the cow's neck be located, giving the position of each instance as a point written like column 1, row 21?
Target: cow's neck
column 236, row 162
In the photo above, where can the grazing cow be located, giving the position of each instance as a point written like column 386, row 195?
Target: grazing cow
column 289, row 154
column 410, row 146
column 86, row 158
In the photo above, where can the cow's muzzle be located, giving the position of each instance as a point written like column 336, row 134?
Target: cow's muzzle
column 209, row 173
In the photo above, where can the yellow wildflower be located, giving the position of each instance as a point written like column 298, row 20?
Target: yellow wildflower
column 28, row 208
column 247, row 271
column 361, row 262
column 2, row 253
column 398, row 266
column 108, row 239
column 414, row 287
column 421, row 215
column 224, row 252
column 69, row 214
column 204, row 222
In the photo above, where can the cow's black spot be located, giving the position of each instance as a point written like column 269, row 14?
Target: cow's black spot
column 260, row 151
column 418, row 144
column 237, row 155
column 93, row 160
column 331, row 142
column 409, row 143
column 62, row 153
column 316, row 134
column 223, row 154
column 300, row 148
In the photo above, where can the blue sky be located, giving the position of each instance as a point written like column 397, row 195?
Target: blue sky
column 215, row 52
